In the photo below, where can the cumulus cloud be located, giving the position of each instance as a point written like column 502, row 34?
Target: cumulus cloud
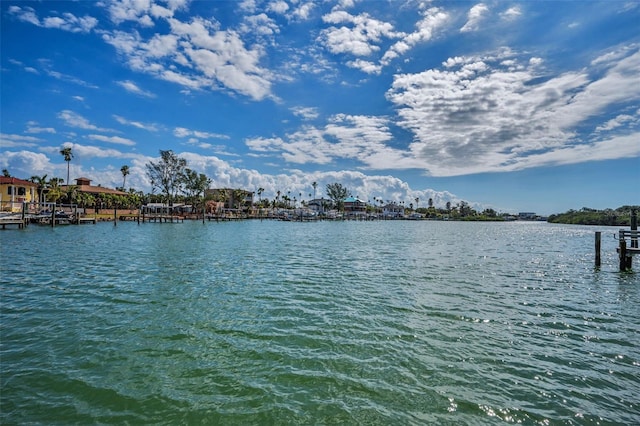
column 66, row 21
column 363, row 36
column 474, row 18
column 478, row 115
column 259, row 24
column 356, row 35
column 197, row 55
column 349, row 137
column 278, row 6
column 511, row 14
column 25, row 163
column 307, row 113
column 433, row 20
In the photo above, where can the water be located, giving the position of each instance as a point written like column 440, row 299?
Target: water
column 313, row 323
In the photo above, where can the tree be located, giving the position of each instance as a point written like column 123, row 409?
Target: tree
column 41, row 181
column 260, row 191
column 167, row 175
column 239, row 198
column 195, row 184
column 315, row 185
column 337, row 193
column 68, row 155
column 54, row 189
column 6, row 173
column 125, row 172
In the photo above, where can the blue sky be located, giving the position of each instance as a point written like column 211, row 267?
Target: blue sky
column 518, row 106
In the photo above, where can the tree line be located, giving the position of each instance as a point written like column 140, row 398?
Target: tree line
column 587, row 216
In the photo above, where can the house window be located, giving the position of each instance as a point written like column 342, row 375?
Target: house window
column 10, row 190
column 22, row 190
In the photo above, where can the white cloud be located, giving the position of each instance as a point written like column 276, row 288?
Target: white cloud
column 137, row 124
column 33, row 127
column 73, row 119
column 511, row 14
column 259, row 25
column 433, row 20
column 345, row 136
column 67, row 21
column 197, row 55
column 303, row 12
column 182, row 132
column 65, row 77
column 112, row 139
column 27, row 14
column 480, row 116
column 307, row 113
column 474, row 18
column 25, row 163
column 298, row 182
column 359, row 35
column 278, row 6
column 132, row 10
column 619, row 121
column 12, row 140
column 130, row 86
column 365, row 66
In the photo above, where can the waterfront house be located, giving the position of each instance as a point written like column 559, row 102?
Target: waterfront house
column 83, row 184
column 232, row 198
column 14, row 192
column 319, row 205
column 393, row 210
column 354, row 206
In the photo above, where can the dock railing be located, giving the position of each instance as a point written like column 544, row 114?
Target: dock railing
column 626, row 250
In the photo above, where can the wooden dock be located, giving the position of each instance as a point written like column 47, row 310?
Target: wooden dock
column 20, row 223
column 162, row 218
column 82, row 220
column 626, row 251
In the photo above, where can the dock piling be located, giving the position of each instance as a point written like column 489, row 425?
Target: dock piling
column 598, row 245
column 634, row 227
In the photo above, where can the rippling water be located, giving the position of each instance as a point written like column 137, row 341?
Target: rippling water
column 305, row 323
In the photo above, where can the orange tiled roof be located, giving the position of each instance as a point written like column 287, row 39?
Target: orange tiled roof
column 15, row 181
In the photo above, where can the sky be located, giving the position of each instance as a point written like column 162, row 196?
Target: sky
column 510, row 105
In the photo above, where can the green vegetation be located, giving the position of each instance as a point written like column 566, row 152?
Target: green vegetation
column 337, row 193
column 586, row 216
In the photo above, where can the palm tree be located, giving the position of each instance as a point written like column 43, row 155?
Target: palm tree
column 260, row 191
column 54, row 189
column 125, row 172
column 315, row 185
column 417, row 201
column 41, row 181
column 68, row 155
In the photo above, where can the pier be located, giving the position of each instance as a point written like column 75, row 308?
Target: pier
column 625, row 250
column 19, row 222
column 627, row 247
